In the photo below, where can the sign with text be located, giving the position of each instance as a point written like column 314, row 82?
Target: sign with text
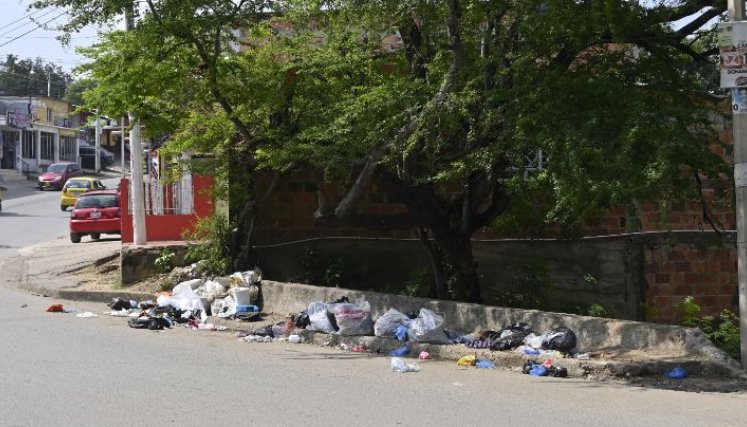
column 732, row 43
column 18, row 120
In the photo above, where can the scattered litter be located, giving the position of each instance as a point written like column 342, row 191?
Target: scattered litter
column 530, row 350
column 469, row 360
column 296, row 339
column 343, row 347
column 677, row 373
column 399, row 352
column 221, row 328
column 582, row 356
column 86, row 314
column 151, row 323
column 485, row 364
column 536, row 369
column 242, row 334
column 320, row 319
column 122, row 304
column 359, row 349
column 56, row 308
column 399, row 365
column 24, row 306
column 424, row 355
column 255, row 338
column 120, row 313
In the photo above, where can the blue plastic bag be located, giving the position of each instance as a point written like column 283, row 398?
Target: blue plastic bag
column 677, row 373
column 402, row 351
column 485, row 364
column 538, row 371
column 401, row 332
column 530, row 350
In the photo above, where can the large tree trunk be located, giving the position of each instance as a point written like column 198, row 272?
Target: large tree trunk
column 242, row 211
column 460, row 263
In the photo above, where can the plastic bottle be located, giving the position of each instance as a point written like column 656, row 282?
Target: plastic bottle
column 399, row 365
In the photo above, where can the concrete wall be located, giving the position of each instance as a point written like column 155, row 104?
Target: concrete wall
column 642, row 276
column 625, row 338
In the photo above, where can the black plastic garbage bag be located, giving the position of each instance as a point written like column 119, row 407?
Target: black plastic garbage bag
column 265, row 331
column 561, row 339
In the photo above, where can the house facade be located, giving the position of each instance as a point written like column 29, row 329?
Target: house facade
column 35, row 132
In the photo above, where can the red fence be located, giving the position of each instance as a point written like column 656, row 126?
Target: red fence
column 168, row 226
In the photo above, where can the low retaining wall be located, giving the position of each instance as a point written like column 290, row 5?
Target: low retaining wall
column 594, row 333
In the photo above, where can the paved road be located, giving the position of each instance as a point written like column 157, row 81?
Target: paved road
column 58, row 369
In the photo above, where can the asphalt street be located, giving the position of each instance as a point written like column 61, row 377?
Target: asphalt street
column 59, row 369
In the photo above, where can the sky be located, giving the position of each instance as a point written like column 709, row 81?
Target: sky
column 32, row 41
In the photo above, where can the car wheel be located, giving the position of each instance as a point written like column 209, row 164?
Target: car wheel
column 95, row 236
column 63, row 208
column 75, row 237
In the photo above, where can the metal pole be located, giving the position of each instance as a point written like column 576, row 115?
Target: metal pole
column 136, row 156
column 97, row 144
column 122, row 144
column 736, row 13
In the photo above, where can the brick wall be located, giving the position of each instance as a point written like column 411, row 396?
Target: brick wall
column 707, row 271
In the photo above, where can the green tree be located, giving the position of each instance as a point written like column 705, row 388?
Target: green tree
column 27, row 77
column 614, row 96
column 76, row 88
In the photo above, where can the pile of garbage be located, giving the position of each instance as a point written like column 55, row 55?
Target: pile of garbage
column 191, row 301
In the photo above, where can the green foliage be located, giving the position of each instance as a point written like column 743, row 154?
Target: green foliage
column 597, row 310
column 165, row 262
column 27, row 77
column 527, row 286
column 322, row 270
column 610, row 92
column 76, row 89
column 723, row 331
column 212, row 245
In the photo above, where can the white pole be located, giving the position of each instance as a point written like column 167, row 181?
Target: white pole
column 136, row 158
column 97, row 142
column 736, row 13
column 138, row 202
column 122, row 143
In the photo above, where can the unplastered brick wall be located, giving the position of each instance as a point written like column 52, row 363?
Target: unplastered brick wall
column 674, row 271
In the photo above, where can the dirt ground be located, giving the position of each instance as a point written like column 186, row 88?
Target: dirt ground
column 105, row 277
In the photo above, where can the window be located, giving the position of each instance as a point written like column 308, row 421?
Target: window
column 28, row 144
column 67, row 148
column 47, row 146
column 49, row 115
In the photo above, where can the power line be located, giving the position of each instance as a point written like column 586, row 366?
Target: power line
column 32, row 30
column 25, row 24
column 21, row 19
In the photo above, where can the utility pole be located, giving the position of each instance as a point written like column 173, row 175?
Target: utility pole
column 136, row 160
column 97, row 144
column 736, row 13
column 49, row 84
column 122, row 145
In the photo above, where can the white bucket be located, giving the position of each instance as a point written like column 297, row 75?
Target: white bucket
column 241, row 295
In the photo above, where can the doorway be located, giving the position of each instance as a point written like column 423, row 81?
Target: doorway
column 9, row 142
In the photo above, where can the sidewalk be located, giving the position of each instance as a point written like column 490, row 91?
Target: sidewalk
column 44, row 269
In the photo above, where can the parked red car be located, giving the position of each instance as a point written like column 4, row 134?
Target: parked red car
column 57, row 175
column 95, row 213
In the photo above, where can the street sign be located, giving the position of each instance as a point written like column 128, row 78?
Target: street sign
column 732, row 42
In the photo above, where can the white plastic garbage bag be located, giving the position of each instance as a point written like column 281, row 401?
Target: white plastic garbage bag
column 386, row 325
column 225, row 307
column 319, row 318
column 353, row 318
column 183, row 298
column 427, row 327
